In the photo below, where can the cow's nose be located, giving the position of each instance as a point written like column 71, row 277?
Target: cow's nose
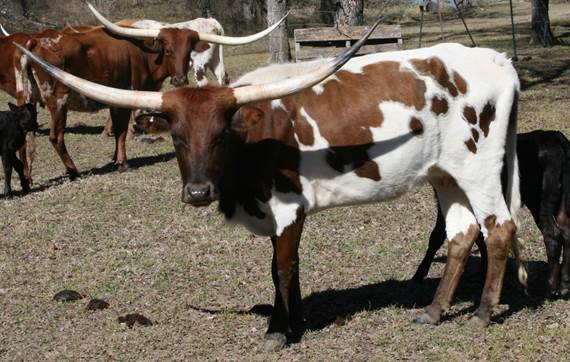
column 198, row 194
column 179, row 80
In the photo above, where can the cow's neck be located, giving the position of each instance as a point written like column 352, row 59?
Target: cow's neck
column 158, row 72
column 264, row 160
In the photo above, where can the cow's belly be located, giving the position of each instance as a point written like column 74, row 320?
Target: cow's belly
column 398, row 172
column 402, row 162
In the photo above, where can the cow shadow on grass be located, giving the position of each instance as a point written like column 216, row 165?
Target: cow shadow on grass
column 79, row 128
column 324, row 308
column 330, row 307
column 110, row 167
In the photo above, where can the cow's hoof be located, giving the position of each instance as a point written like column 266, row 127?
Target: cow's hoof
column 274, row 342
column 73, row 174
column 123, row 167
column 565, row 293
column 426, row 318
column 479, row 322
column 554, row 294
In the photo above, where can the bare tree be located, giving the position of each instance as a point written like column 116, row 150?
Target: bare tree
column 279, row 50
column 349, row 13
column 540, row 24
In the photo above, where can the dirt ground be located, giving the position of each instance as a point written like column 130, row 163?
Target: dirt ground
column 205, row 285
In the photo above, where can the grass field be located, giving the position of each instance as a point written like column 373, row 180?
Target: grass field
column 127, row 238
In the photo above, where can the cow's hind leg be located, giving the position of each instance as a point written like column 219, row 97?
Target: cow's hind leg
column 287, row 314
column 499, row 239
column 120, row 119
column 462, row 229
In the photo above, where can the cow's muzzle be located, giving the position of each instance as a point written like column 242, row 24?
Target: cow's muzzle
column 198, row 194
column 179, row 80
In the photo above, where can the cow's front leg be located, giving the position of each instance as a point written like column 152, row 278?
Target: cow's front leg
column 288, row 309
column 56, row 136
column 120, row 119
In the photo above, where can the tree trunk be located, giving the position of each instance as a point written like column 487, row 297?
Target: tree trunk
column 279, row 50
column 205, row 8
column 326, row 11
column 540, row 24
column 349, row 13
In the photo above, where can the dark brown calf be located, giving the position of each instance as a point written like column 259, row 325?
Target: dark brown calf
column 544, row 161
column 14, row 125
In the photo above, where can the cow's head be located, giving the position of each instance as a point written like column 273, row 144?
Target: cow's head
column 176, row 45
column 27, row 116
column 205, row 122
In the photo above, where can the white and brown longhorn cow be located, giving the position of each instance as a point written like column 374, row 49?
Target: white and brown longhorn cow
column 209, row 56
column 273, row 153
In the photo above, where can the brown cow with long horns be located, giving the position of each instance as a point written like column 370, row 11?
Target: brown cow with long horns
column 119, row 57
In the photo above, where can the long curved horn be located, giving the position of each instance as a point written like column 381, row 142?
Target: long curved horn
column 4, row 32
column 210, row 38
column 120, row 98
column 240, row 40
column 119, row 30
column 292, row 85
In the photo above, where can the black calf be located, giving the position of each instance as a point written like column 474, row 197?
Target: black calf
column 13, row 127
column 544, row 162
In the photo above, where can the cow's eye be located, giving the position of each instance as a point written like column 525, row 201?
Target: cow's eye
column 221, row 137
column 168, row 52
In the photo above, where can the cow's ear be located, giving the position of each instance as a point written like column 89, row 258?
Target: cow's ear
column 245, row 118
column 201, row 46
column 13, row 107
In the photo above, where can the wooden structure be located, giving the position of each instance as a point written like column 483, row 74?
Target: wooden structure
column 312, row 43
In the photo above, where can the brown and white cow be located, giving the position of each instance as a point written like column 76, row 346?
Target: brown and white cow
column 11, row 70
column 275, row 152
column 112, row 57
column 209, row 57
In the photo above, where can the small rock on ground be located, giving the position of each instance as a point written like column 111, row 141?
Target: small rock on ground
column 131, row 319
column 67, row 295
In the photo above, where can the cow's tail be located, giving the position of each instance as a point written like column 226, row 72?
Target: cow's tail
column 513, row 195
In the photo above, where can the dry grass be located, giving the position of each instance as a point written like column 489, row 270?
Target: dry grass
column 126, row 238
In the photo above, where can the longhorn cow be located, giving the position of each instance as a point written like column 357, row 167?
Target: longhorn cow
column 109, row 56
column 14, row 82
column 273, row 153
column 210, row 56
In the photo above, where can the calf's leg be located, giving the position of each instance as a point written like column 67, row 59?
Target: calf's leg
column 288, row 309
column 436, row 240
column 564, row 225
column 19, row 167
column 7, row 164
